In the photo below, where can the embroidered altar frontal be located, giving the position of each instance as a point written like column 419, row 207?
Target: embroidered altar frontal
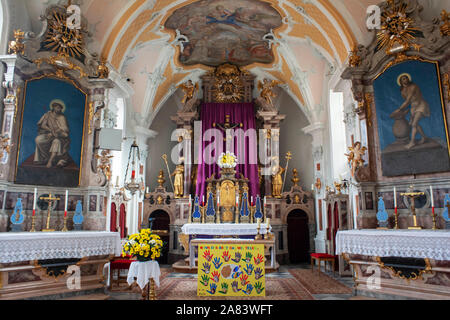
column 233, row 270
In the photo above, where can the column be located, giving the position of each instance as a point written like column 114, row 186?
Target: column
column 317, row 131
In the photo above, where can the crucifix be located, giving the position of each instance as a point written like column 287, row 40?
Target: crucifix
column 50, row 201
column 227, row 126
column 413, row 195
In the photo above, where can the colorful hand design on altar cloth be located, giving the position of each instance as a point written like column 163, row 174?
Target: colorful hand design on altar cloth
column 259, row 287
column 224, row 289
column 237, row 257
column 248, row 290
column 206, row 268
column 226, row 256
column 258, row 273
column 205, row 280
column 235, row 286
column 207, row 255
column 258, row 259
column 215, row 276
column 217, row 263
column 212, row 289
column 249, row 269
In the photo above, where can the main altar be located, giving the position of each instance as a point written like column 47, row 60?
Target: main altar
column 230, row 179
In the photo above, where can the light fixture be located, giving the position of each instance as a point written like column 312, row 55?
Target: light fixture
column 132, row 185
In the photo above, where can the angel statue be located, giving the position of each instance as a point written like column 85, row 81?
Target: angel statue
column 189, row 90
column 105, row 163
column 355, row 156
column 4, row 146
column 266, row 88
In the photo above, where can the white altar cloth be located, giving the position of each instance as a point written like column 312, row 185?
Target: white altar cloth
column 143, row 271
column 432, row 244
column 25, row 246
column 223, row 229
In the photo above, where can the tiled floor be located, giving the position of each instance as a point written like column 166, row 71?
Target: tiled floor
column 282, row 273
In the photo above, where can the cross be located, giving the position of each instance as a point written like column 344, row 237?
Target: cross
column 413, row 195
column 227, row 126
column 49, row 199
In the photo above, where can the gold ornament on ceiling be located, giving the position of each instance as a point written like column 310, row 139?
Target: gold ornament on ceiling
column 397, row 29
column 62, row 39
column 228, row 86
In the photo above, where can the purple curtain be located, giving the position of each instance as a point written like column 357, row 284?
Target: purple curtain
column 243, row 144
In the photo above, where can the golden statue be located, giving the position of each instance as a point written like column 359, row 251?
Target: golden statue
column 178, row 182
column 355, row 156
column 189, row 90
column 194, row 175
column 354, row 60
column 102, row 69
column 4, row 146
column 16, row 46
column 266, row 88
column 105, row 163
column 277, row 179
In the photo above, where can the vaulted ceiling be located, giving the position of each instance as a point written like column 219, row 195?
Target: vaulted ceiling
column 312, row 43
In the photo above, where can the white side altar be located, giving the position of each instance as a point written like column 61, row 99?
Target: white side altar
column 34, row 264
column 410, row 263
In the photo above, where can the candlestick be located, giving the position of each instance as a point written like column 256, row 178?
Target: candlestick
column 396, row 218
column 432, row 198
column 434, row 218
column 33, row 223
column 395, row 198
column 34, row 200
column 66, row 201
column 267, row 235
column 117, row 181
column 258, row 227
column 64, row 229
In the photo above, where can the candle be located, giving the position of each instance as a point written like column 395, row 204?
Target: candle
column 432, row 198
column 117, row 181
column 34, row 201
column 312, row 187
column 395, row 198
column 268, row 222
column 146, row 191
column 133, row 174
column 203, row 199
column 251, row 200
column 65, row 206
column 264, row 201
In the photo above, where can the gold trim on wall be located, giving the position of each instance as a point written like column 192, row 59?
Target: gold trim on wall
column 57, row 75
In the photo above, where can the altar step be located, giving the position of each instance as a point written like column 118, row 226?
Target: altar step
column 96, row 296
column 182, row 266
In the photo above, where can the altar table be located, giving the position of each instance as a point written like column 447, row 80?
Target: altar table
column 223, row 229
column 408, row 263
column 36, row 264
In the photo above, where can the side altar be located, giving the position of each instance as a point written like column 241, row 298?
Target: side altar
column 55, row 265
column 409, row 263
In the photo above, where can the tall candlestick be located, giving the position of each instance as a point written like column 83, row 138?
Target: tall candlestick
column 432, row 198
column 34, row 201
column 395, row 198
column 65, row 205
column 146, row 190
column 117, row 181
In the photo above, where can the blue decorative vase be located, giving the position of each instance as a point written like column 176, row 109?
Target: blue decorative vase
column 78, row 217
column 382, row 215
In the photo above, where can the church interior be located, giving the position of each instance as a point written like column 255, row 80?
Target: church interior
column 218, row 149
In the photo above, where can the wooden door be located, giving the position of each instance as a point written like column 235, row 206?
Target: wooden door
column 161, row 222
column 298, row 236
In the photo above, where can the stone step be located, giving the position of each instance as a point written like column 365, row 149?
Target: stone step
column 96, row 296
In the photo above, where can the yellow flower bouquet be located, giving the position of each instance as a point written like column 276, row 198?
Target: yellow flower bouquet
column 145, row 246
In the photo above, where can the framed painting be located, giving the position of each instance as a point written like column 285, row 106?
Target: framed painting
column 51, row 134
column 412, row 127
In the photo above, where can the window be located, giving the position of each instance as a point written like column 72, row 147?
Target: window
column 337, row 132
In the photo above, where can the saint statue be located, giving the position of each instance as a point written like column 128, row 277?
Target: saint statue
column 52, row 141
column 277, row 179
column 355, row 156
column 178, row 182
column 419, row 107
column 266, row 88
column 189, row 90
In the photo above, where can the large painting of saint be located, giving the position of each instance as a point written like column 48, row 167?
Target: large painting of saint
column 411, row 120
column 52, row 134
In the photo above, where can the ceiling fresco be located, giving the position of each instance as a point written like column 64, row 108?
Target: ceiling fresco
column 224, row 31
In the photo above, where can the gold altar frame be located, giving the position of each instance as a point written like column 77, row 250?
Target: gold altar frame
column 62, row 77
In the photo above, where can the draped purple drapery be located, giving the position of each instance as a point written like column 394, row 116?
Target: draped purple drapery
column 211, row 143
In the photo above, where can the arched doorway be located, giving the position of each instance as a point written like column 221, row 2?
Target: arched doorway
column 160, row 221
column 298, row 236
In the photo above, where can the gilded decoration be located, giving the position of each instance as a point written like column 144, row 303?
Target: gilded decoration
column 105, row 163
column 60, row 38
column 445, row 28
column 354, row 60
column 16, row 46
column 5, row 146
column 447, row 85
column 395, row 264
column 266, row 87
column 228, row 86
column 189, row 89
column 397, row 29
